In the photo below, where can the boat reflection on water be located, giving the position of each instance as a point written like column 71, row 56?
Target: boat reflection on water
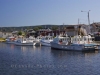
column 3, row 45
column 59, row 53
column 48, row 50
column 47, row 61
column 64, row 53
column 24, row 48
column 12, row 46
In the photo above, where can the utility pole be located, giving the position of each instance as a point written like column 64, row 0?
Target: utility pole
column 88, row 18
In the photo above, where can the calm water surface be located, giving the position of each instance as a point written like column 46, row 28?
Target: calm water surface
column 31, row 60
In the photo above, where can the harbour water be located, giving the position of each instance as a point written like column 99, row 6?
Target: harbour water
column 32, row 60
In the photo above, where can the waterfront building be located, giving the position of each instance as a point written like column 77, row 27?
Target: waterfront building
column 5, row 34
column 46, row 32
column 95, row 27
column 72, row 30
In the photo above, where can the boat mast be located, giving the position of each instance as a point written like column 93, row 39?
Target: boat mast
column 45, row 30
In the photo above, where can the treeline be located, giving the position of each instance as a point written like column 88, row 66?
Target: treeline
column 35, row 28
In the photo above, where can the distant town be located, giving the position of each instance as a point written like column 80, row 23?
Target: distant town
column 71, row 30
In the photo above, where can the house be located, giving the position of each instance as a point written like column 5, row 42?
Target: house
column 15, row 33
column 1, row 34
column 72, row 30
column 5, row 34
column 30, row 32
column 44, row 32
column 95, row 27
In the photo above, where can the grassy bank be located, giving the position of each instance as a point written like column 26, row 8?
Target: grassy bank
column 2, row 39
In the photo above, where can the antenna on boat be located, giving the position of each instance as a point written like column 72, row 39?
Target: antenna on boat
column 45, row 30
column 77, row 27
column 78, row 21
column 63, row 32
column 59, row 29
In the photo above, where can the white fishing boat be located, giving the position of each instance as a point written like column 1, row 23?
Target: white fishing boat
column 27, row 41
column 45, row 41
column 11, row 40
column 38, row 38
column 76, row 43
column 98, row 44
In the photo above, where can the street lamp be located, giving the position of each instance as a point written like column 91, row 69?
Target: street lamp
column 88, row 18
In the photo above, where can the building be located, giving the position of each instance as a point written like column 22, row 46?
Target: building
column 95, row 27
column 5, row 34
column 30, row 32
column 15, row 33
column 44, row 32
column 72, row 30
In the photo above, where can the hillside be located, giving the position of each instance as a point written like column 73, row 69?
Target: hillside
column 21, row 28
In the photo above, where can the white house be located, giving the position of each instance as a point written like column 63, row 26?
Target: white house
column 5, row 34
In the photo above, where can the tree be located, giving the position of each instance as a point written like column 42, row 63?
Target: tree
column 36, row 28
column 19, row 33
column 54, row 27
column 40, row 27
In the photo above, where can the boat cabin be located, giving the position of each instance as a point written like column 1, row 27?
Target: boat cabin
column 61, row 40
column 47, row 38
column 81, row 39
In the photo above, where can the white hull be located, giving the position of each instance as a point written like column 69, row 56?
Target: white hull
column 72, row 47
column 24, row 44
column 45, row 43
column 98, row 47
column 28, row 44
column 37, row 44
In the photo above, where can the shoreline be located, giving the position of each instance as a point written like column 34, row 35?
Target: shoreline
column 2, row 40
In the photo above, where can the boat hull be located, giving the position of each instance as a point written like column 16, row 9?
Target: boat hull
column 72, row 47
column 45, row 43
column 24, row 44
column 37, row 44
column 28, row 44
